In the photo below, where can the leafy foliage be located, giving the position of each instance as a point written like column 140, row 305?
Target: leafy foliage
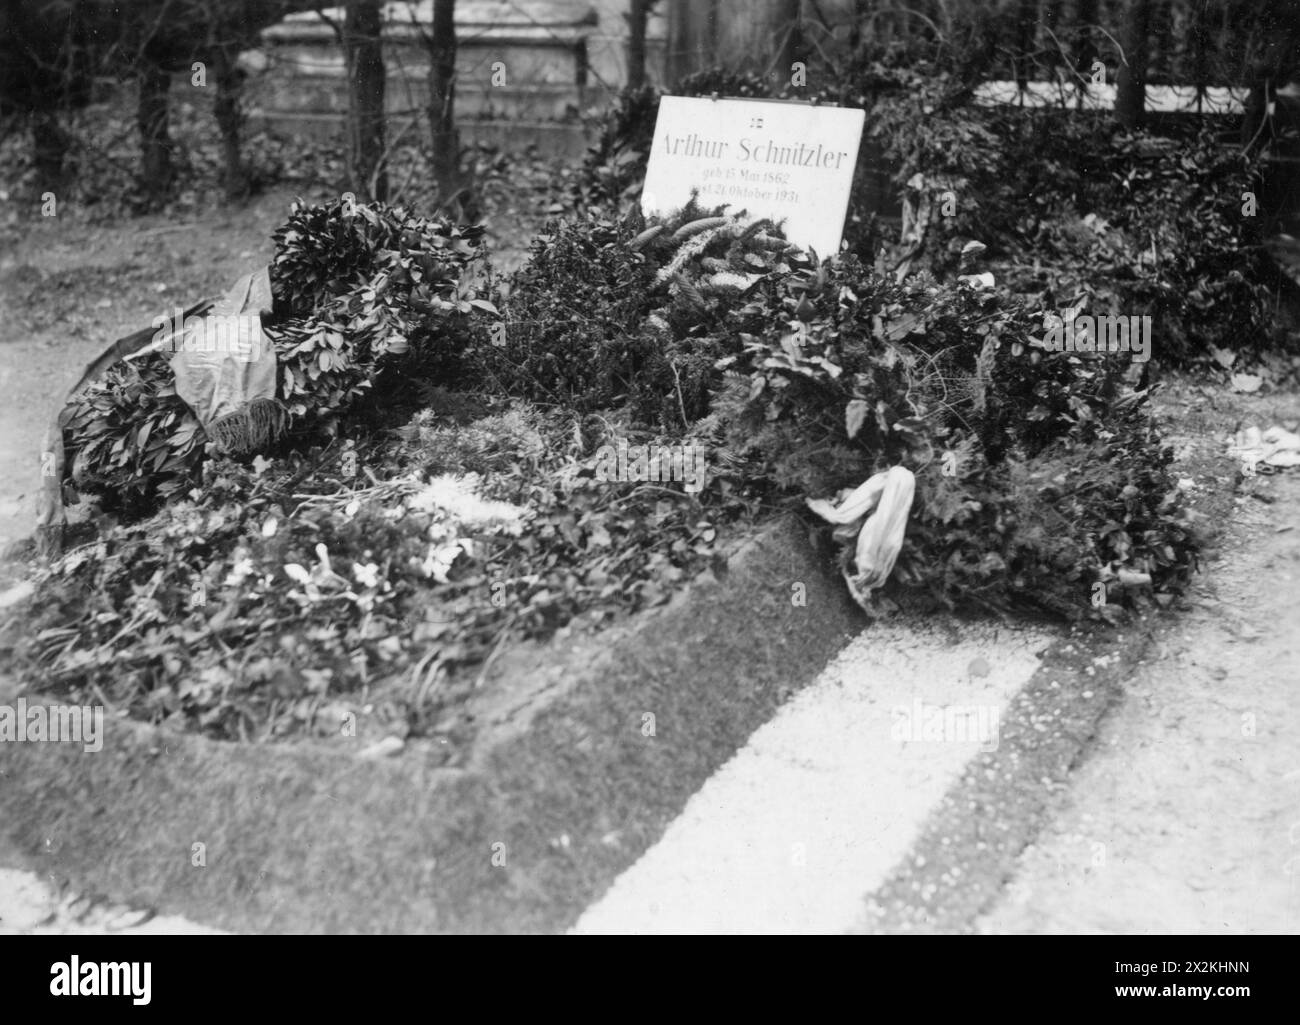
column 131, row 440
column 360, row 284
column 1039, row 474
column 355, row 291
column 1037, row 471
column 572, row 328
column 1072, row 207
column 1069, row 205
column 281, row 597
column 605, row 314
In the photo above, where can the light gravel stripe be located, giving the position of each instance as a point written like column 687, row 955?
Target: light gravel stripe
column 811, row 815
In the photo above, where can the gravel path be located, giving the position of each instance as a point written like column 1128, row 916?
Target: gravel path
column 1186, row 816
column 812, row 814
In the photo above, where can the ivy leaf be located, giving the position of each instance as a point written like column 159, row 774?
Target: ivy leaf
column 296, row 573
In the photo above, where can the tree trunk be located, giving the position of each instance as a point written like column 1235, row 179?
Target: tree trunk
column 230, row 118
column 363, row 48
column 455, row 193
column 1085, row 46
column 636, row 20
column 692, row 37
column 1162, row 41
column 49, row 148
column 1026, row 29
column 861, row 16
column 1053, row 12
column 1130, row 95
column 787, row 29
column 155, row 143
column 1270, row 69
column 759, row 35
column 1200, row 29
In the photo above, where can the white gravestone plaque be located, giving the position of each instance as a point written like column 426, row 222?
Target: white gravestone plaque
column 787, row 161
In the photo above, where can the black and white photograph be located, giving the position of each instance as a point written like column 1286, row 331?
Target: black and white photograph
column 651, row 468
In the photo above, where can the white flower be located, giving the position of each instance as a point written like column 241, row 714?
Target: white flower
column 456, row 495
column 367, row 575
column 440, row 559
column 241, row 569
